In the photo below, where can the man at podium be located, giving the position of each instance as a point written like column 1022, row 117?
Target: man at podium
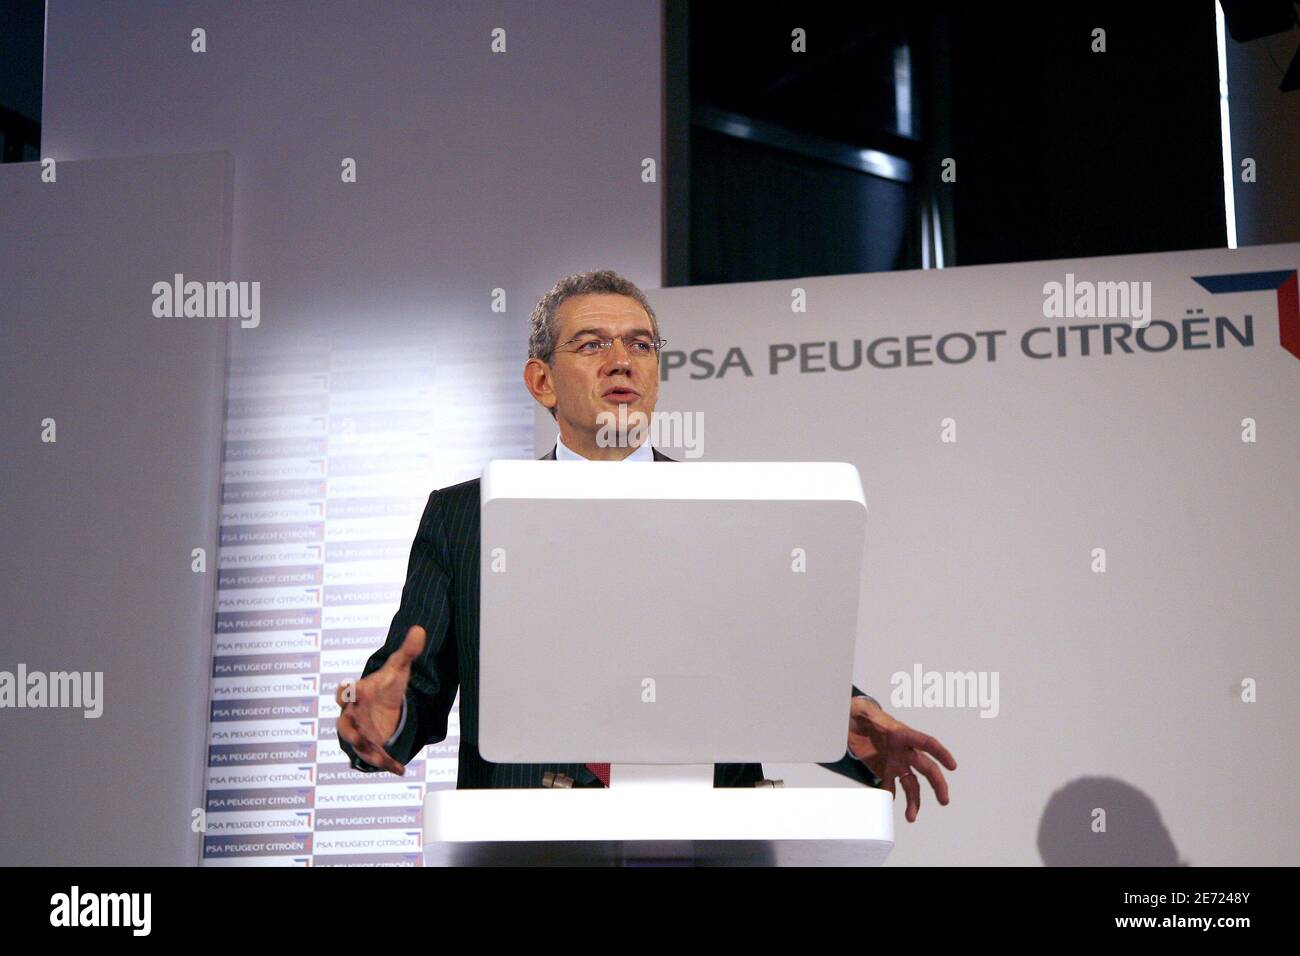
column 593, row 351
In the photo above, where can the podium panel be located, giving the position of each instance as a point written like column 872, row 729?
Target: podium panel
column 802, row 826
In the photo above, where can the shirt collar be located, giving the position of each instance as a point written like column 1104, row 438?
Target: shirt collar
column 563, row 452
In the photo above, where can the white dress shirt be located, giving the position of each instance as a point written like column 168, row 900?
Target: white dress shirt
column 563, row 452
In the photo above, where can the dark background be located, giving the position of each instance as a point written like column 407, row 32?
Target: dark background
column 1061, row 152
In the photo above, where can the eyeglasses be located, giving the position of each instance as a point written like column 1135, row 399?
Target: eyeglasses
column 638, row 346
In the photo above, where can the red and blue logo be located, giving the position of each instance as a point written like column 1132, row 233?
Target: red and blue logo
column 1288, row 301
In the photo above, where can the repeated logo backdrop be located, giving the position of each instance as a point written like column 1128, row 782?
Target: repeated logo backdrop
column 330, row 453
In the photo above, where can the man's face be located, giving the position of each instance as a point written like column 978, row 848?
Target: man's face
column 584, row 385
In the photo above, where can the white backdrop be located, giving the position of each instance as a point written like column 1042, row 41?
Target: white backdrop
column 99, row 525
column 380, row 369
column 1118, row 691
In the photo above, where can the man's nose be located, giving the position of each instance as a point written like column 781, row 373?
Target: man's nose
column 619, row 356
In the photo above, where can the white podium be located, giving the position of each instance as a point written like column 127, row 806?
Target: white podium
column 660, row 821
column 734, row 563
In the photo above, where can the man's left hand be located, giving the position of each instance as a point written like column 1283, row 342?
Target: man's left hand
column 892, row 750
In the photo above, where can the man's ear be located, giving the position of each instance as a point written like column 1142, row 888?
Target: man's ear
column 537, row 379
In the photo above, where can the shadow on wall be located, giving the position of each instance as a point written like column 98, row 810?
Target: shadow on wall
column 1101, row 821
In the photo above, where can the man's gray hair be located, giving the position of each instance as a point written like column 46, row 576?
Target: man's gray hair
column 545, row 329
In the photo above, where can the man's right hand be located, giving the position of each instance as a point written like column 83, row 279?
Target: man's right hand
column 372, row 706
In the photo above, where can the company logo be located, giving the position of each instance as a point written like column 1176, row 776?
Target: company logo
column 1080, row 300
column 1288, row 303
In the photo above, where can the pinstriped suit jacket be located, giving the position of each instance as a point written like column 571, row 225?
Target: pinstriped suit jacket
column 442, row 596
